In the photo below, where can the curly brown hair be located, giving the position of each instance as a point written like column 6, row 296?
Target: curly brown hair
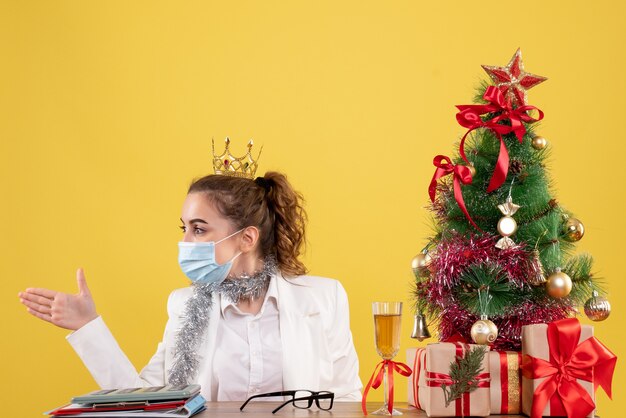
column 269, row 203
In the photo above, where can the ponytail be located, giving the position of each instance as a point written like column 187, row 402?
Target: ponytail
column 269, row 203
column 285, row 204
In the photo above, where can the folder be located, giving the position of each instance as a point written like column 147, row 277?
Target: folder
column 146, row 409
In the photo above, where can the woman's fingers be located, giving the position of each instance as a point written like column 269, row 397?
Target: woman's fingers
column 45, row 317
column 46, row 293
column 61, row 309
column 32, row 297
column 43, row 309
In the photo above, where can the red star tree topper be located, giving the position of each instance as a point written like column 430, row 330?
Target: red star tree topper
column 512, row 80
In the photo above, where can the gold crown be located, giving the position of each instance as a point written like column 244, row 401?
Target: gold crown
column 227, row 164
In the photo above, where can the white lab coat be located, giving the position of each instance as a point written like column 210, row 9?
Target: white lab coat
column 317, row 346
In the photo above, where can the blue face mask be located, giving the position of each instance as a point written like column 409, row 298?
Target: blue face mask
column 197, row 260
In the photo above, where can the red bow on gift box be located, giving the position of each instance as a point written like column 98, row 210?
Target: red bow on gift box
column 470, row 117
column 590, row 361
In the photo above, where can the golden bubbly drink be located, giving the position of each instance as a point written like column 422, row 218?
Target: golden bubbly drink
column 387, row 331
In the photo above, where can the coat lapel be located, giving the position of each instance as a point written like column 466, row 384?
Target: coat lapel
column 300, row 328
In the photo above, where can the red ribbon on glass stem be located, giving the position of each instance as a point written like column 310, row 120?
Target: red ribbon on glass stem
column 569, row 361
column 378, row 376
column 470, row 117
column 461, row 174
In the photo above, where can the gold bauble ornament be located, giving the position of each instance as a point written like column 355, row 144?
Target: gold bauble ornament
column 574, row 230
column 484, row 331
column 420, row 264
column 597, row 308
column 559, row 284
column 539, row 142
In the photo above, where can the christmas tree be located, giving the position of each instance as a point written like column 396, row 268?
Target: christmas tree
column 502, row 254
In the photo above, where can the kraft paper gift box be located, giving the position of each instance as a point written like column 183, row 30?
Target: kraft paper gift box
column 535, row 343
column 415, row 358
column 506, row 382
column 561, row 363
column 433, row 368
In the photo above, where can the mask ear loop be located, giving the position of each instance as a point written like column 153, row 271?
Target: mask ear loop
column 225, row 238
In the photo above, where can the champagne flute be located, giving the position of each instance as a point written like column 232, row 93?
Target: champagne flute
column 387, row 334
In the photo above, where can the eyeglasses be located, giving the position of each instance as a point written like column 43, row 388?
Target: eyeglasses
column 300, row 398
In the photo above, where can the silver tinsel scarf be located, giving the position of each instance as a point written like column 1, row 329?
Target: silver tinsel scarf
column 197, row 313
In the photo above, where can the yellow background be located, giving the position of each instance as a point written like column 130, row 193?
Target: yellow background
column 108, row 108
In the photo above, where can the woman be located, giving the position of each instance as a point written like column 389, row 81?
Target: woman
column 252, row 322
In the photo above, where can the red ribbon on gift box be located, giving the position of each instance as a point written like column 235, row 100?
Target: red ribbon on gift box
column 377, row 378
column 417, row 367
column 590, row 361
column 504, row 382
column 470, row 117
column 462, row 404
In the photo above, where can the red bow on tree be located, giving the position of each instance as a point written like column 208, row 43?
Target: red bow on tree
column 470, row 117
column 569, row 361
column 461, row 174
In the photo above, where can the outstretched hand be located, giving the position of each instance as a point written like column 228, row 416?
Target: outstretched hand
column 61, row 309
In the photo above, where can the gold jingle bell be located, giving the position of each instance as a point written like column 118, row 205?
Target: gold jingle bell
column 539, row 142
column 420, row 264
column 484, row 331
column 559, row 284
column 420, row 328
column 574, row 230
column 597, row 308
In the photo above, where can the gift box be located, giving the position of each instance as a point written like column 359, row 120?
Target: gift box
column 506, row 382
column 415, row 358
column 431, row 368
column 562, row 364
